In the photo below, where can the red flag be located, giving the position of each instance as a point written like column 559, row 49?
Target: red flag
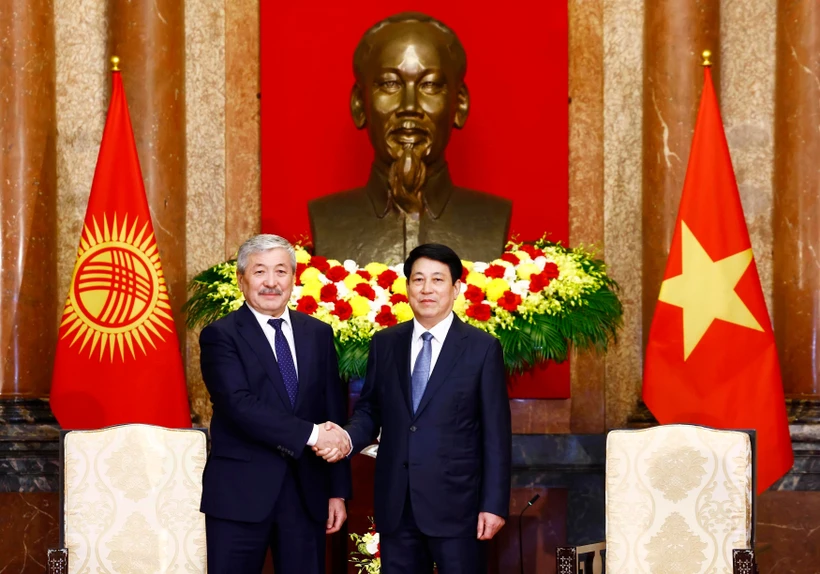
column 711, row 358
column 118, row 357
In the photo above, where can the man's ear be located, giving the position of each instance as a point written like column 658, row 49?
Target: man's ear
column 357, row 107
column 462, row 107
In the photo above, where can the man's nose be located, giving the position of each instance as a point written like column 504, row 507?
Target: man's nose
column 409, row 101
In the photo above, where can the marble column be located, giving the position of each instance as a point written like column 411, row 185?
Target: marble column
column 675, row 34
column 149, row 38
column 796, row 294
column 28, row 204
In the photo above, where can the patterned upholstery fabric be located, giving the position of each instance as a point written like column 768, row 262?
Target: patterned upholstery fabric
column 678, row 499
column 131, row 500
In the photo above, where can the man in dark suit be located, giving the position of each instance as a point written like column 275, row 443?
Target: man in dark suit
column 272, row 375
column 435, row 387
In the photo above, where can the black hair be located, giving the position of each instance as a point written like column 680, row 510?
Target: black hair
column 436, row 252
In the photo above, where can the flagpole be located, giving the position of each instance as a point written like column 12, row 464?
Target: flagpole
column 115, row 63
column 706, row 54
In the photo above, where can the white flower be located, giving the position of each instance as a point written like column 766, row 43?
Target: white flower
column 540, row 261
column 373, row 544
column 521, row 287
column 350, row 266
column 480, row 266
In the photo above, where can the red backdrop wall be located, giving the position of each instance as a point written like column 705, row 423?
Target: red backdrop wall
column 515, row 142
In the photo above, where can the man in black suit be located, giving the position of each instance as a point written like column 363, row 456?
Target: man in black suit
column 272, row 375
column 435, row 387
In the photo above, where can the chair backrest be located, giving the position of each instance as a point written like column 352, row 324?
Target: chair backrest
column 679, row 498
column 130, row 499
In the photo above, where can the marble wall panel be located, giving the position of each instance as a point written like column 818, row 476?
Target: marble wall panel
column 28, row 528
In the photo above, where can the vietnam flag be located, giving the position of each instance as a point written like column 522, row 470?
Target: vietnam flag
column 711, row 358
column 118, row 358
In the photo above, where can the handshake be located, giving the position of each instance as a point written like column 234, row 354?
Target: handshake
column 333, row 443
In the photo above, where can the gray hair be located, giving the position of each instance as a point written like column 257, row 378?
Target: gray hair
column 260, row 243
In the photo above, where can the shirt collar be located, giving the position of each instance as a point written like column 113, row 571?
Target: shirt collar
column 439, row 330
column 263, row 319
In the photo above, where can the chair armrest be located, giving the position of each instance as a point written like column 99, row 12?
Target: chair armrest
column 743, row 561
column 57, row 562
column 567, row 559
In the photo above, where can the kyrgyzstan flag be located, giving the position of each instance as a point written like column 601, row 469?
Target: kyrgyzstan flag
column 711, row 358
column 118, row 358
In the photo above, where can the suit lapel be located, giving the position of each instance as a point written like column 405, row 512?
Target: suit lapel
column 447, row 359
column 402, row 355
column 305, row 352
column 250, row 330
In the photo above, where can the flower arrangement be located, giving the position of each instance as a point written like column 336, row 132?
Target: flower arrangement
column 367, row 556
column 538, row 300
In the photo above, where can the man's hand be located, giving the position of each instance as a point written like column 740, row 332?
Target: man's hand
column 336, row 515
column 332, row 444
column 488, row 525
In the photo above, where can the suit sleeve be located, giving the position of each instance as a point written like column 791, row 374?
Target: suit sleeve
column 497, row 434
column 225, row 379
column 340, row 476
column 366, row 421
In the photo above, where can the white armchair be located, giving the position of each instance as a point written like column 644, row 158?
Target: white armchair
column 679, row 498
column 130, row 501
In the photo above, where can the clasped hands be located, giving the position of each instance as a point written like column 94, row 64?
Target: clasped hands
column 333, row 443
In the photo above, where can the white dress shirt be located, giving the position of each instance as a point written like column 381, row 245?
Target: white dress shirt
column 287, row 331
column 438, row 331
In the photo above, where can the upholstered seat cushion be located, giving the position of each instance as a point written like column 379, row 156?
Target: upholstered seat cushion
column 131, row 500
column 678, row 499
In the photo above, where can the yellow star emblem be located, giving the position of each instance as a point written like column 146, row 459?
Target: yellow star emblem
column 705, row 290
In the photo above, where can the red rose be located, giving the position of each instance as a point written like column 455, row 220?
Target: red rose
column 336, row 273
column 398, row 298
column 328, row 293
column 495, row 271
column 299, row 268
column 510, row 258
column 342, row 310
column 386, row 278
column 551, row 270
column 531, row 250
column 365, row 290
column 464, row 273
column 539, row 282
column 473, row 294
column 509, row 301
column 319, row 263
column 386, row 318
column 479, row 312
column 364, row 274
column 307, row 304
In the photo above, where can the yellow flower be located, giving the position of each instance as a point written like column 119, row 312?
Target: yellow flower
column 477, row 279
column 375, row 269
column 496, row 288
column 353, row 279
column 468, row 265
column 399, row 286
column 302, row 256
column 308, row 275
column 402, row 311
column 312, row 288
column 523, row 256
column 360, row 306
column 460, row 304
column 526, row 269
column 333, row 262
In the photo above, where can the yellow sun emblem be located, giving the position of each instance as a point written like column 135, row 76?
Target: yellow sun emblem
column 118, row 295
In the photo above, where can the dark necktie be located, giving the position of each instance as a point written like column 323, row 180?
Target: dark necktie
column 285, row 360
column 421, row 370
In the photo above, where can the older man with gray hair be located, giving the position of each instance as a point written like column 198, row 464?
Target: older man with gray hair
column 273, row 378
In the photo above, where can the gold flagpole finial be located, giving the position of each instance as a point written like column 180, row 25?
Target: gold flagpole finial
column 115, row 64
column 706, row 62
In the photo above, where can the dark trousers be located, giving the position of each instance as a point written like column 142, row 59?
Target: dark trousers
column 297, row 542
column 407, row 550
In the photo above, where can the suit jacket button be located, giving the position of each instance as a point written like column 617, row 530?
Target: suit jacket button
column 413, row 428
column 404, row 465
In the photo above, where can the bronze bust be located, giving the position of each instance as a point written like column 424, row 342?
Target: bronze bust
column 409, row 93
